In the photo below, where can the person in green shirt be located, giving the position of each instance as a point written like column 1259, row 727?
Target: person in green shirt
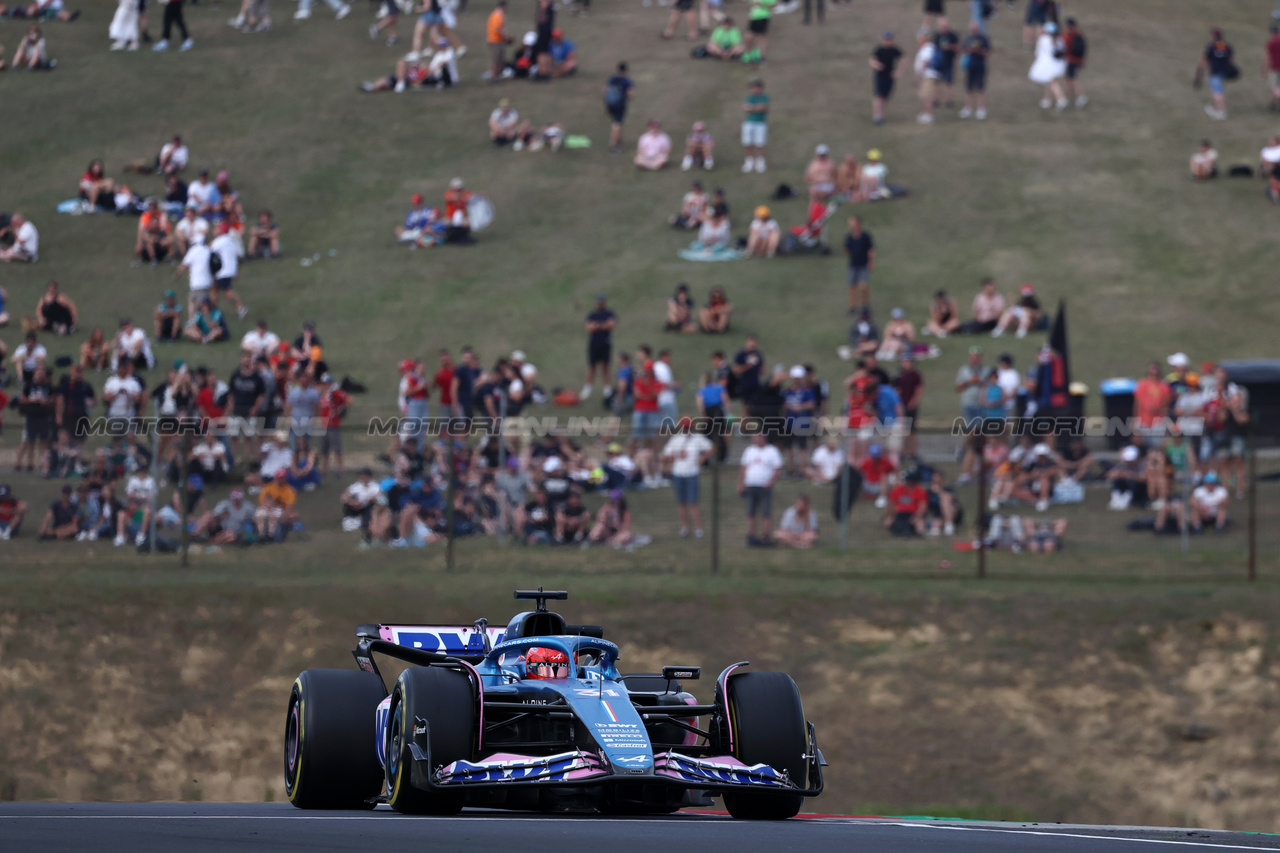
column 758, row 29
column 755, row 127
column 726, row 41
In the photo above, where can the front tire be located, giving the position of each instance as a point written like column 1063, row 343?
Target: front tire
column 768, row 726
column 329, row 761
column 445, row 699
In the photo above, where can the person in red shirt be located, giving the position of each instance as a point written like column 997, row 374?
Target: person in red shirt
column 334, row 403
column 877, row 474
column 207, row 400
column 861, row 412
column 908, row 503
column 1272, row 66
column 444, row 382
column 94, row 185
column 456, row 219
column 645, row 419
column 1151, row 399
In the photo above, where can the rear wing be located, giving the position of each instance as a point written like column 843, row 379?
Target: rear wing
column 443, row 639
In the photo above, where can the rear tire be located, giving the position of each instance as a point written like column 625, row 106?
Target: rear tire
column 445, row 699
column 329, row 762
column 768, row 727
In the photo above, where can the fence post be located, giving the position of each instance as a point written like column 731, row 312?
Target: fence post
column 845, row 509
column 503, row 511
column 1185, row 526
column 980, row 442
column 1253, row 501
column 155, row 475
column 448, row 501
column 182, row 477
column 715, row 513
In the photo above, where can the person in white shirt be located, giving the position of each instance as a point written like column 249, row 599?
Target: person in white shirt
column 26, row 242
column 188, row 226
column 824, row 464
column 227, row 247
column 275, row 456
column 1270, row 156
column 1209, row 500
column 757, row 471
column 925, row 73
column 29, row 355
column 799, row 525
column 173, row 157
column 358, row 501
column 196, row 263
column 122, row 392
column 667, row 396
column 1010, row 382
column 131, row 345
column 141, row 487
column 686, row 452
column 211, row 457
column 764, row 234
column 259, row 341
column 201, row 193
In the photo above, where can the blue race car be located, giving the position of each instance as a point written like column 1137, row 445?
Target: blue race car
column 536, row 716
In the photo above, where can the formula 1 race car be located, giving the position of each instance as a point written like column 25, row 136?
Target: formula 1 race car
column 537, row 716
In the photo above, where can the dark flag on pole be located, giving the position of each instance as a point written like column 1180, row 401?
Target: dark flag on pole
column 1053, row 371
column 1058, row 343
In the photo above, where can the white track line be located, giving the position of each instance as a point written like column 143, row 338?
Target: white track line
column 1082, row 835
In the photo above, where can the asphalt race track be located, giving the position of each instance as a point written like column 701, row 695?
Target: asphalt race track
column 200, row 827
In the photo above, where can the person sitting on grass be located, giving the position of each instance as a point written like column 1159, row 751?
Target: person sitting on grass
column 506, row 127
column 1204, row 163
column 944, row 512
column 55, row 312
column 699, row 146
column 154, row 240
column 944, row 315
column 51, row 10
column 419, row 223
column 189, row 226
column 303, row 473
column 62, row 521
column 798, row 527
column 32, row 53
column 613, row 521
column 208, row 325
column 573, row 520
column 1026, row 312
column 95, row 185
column 264, row 238
column 25, row 248
column 713, row 233
column 848, row 177
column 95, row 353
column 693, row 208
column 725, row 41
column 1209, row 502
column 418, row 71
column 714, row 317
column 564, row 55
column 229, row 521
column 275, row 514
column 764, row 234
column 653, row 148
column 168, row 318
column 12, row 512
column 908, row 503
column 680, row 311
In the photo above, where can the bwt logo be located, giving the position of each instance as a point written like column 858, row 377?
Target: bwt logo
column 449, row 642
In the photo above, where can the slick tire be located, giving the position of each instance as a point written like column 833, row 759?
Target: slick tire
column 768, row 727
column 445, row 700
column 329, row 760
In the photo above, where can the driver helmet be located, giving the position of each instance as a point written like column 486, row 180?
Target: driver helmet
column 546, row 663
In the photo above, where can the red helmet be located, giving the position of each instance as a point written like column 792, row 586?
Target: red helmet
column 546, row 663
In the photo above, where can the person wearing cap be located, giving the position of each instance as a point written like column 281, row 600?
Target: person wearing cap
column 1209, row 502
column 763, row 235
column 168, row 318
column 456, row 218
column 154, row 238
column 884, row 62
column 229, row 520
column 897, row 338
column 1127, row 479
column 1049, row 67
column 418, row 223
column 800, row 408
column 653, row 148
column 976, row 49
column 564, row 54
column 755, row 123
column 1026, row 313
column 699, row 148
column 686, row 8
column 861, row 251
column 61, row 521
column 820, row 176
column 200, row 275
column 187, row 228
column 726, row 40
column 874, row 177
column 1217, row 60
column 226, row 246
column 1177, row 378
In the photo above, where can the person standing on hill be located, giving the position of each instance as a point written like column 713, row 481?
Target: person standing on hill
column 861, row 250
column 1076, row 47
column 755, row 127
column 172, row 16
column 884, row 62
column 977, row 47
column 758, row 18
column 1271, row 66
column 497, row 40
column 617, row 93
column 1217, row 60
column 600, row 325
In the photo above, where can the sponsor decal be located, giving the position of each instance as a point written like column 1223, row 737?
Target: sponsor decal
column 725, row 770
column 448, row 640
column 621, row 736
column 522, row 768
